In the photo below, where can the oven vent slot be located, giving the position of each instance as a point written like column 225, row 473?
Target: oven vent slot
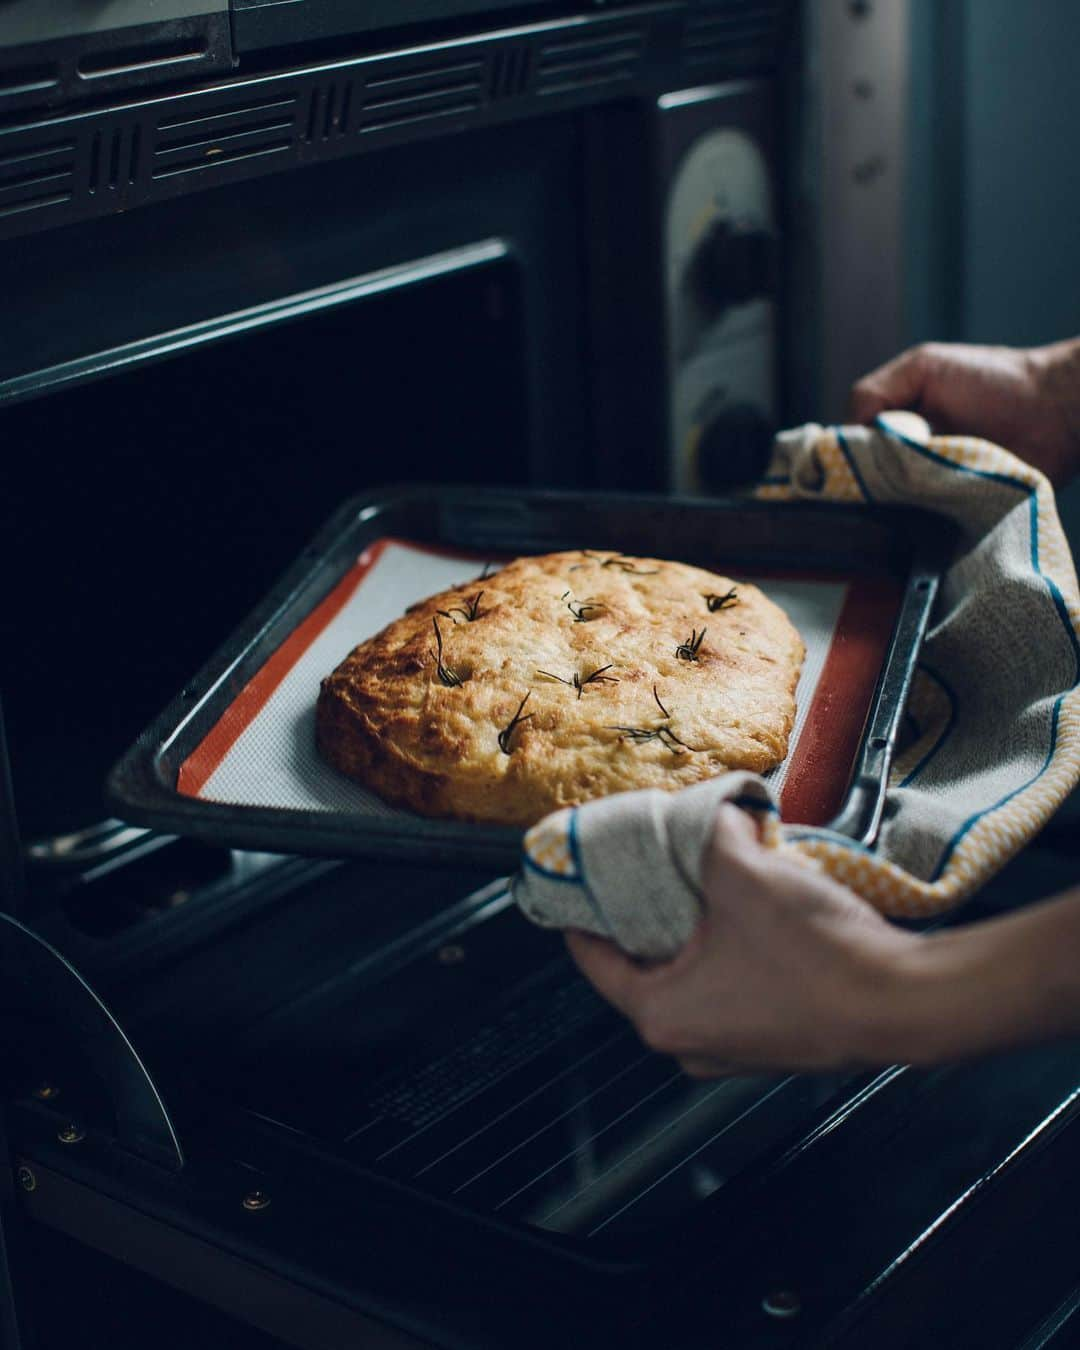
column 20, row 81
column 575, row 63
column 726, row 34
column 329, row 112
column 189, row 142
column 114, row 159
column 510, row 69
column 420, row 95
column 34, row 176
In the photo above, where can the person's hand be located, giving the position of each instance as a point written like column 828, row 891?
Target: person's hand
column 1027, row 400
column 786, row 970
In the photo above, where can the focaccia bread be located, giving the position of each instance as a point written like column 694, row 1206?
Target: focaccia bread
column 559, row 679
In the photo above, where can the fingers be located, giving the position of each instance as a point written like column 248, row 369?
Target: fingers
column 698, row 1066
column 651, row 1006
column 604, row 966
column 737, row 867
column 899, row 383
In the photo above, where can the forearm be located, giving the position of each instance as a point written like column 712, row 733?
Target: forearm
column 988, row 986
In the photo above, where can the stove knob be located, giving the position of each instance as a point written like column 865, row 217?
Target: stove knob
column 732, row 264
column 733, row 448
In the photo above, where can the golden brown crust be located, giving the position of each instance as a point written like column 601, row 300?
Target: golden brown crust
column 665, row 707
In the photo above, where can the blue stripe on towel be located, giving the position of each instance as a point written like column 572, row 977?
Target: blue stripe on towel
column 946, row 732
column 532, row 866
column 575, row 853
column 846, row 451
column 1059, row 605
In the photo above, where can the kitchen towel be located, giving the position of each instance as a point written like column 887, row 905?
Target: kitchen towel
column 994, row 711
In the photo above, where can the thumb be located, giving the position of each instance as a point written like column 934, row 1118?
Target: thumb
column 730, row 862
column 732, row 841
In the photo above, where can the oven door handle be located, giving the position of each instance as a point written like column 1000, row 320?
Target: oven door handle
column 35, row 976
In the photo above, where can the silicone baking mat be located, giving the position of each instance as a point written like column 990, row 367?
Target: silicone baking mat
column 261, row 751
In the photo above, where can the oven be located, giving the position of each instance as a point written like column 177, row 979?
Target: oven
column 256, row 259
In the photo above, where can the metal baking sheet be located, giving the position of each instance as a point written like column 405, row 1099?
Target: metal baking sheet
column 886, row 561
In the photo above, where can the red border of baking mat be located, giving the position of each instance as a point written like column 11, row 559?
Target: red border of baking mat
column 200, row 765
column 196, row 770
column 820, row 768
column 821, row 762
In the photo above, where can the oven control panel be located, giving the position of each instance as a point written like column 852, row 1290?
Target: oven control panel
column 68, row 51
column 271, row 23
column 720, row 278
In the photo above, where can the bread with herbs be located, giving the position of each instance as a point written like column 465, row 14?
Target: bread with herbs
column 559, row 679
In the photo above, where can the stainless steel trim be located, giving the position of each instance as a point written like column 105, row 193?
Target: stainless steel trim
column 684, row 97
column 104, row 839
column 400, row 275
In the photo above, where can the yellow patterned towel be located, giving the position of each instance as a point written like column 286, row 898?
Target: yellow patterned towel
column 995, row 701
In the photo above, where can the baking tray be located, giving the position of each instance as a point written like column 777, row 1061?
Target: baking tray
column 740, row 536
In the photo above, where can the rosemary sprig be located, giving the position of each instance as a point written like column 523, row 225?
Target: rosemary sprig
column 625, row 565
column 716, row 602
column 470, row 611
column 619, row 560
column 583, row 606
column 448, row 676
column 664, row 735
column 579, row 682
column 547, row 675
column 508, row 731
column 688, row 650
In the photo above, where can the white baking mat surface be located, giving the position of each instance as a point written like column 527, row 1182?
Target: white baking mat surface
column 273, row 762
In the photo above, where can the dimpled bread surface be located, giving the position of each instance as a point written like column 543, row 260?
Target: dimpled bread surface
column 563, row 678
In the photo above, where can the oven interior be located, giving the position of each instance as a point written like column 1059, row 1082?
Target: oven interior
column 154, row 493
